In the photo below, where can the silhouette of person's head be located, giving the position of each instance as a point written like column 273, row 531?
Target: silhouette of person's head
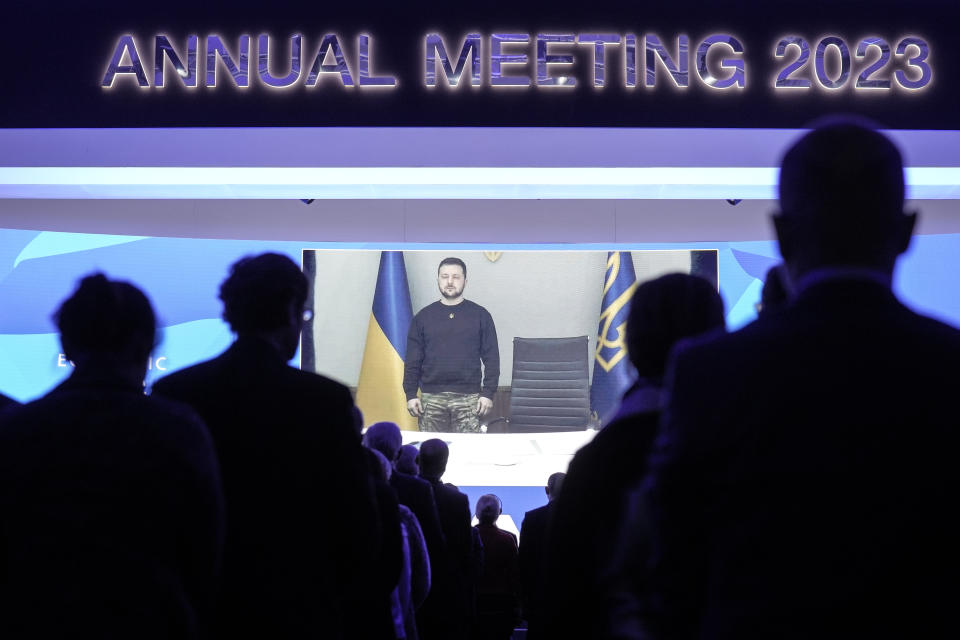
column 385, row 438
column 488, row 509
column 434, row 454
column 107, row 324
column 841, row 200
column 407, row 461
column 554, row 485
column 663, row 311
column 264, row 296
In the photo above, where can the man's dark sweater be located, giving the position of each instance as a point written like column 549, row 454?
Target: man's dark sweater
column 445, row 346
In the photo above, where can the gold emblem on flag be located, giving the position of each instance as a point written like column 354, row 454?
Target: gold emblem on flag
column 493, row 256
column 617, row 345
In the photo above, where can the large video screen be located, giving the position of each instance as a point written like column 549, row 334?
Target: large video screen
column 398, row 326
column 539, row 333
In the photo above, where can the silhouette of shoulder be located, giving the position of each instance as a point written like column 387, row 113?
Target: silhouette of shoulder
column 507, row 536
column 252, row 365
column 449, row 494
column 535, row 515
column 167, row 420
column 6, row 402
column 836, row 321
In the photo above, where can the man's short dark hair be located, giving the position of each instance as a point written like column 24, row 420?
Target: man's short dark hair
column 407, row 460
column 663, row 311
column 107, row 317
column 456, row 261
column 258, row 293
column 434, row 454
column 555, row 482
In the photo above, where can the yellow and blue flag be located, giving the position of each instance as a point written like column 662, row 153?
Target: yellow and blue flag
column 380, row 390
column 612, row 372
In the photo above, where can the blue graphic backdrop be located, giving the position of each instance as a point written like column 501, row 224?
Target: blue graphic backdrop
column 39, row 269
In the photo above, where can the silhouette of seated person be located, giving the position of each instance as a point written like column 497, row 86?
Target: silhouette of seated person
column 111, row 513
column 414, row 582
column 302, row 512
column 449, row 610
column 413, row 492
column 803, row 481
column 407, row 460
column 498, row 589
column 533, row 559
column 588, row 512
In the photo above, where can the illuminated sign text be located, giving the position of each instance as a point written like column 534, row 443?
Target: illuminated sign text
column 506, row 60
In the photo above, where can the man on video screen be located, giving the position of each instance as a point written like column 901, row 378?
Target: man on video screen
column 448, row 341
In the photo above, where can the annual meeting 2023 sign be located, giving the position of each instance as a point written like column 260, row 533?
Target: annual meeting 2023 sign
column 487, row 61
column 722, row 64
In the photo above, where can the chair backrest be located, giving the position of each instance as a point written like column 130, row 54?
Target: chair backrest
column 551, row 385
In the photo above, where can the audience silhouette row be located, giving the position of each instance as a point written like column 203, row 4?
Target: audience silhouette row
column 788, row 480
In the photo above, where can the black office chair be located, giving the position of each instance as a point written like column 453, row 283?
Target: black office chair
column 551, row 386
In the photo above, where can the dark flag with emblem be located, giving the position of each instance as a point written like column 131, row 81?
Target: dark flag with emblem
column 612, row 372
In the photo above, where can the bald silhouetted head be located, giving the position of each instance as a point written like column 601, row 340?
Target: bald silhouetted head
column 434, row 454
column 841, row 200
column 664, row 310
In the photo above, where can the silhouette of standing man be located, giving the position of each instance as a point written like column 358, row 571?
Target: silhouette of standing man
column 301, row 512
column 111, row 513
column 803, row 480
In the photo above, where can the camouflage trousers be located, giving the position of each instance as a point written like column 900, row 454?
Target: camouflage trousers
column 449, row 412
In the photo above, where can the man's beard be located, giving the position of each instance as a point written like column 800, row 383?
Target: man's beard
column 450, row 296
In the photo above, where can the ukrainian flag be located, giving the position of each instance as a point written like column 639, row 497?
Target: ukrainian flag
column 380, row 391
column 612, row 373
